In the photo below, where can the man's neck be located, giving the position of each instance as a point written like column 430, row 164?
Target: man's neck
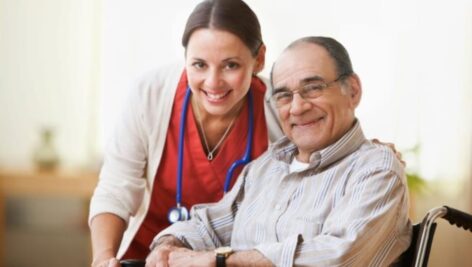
column 304, row 156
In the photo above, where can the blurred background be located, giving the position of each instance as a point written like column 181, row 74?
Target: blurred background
column 66, row 67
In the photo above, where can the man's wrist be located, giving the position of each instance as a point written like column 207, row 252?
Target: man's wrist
column 167, row 240
column 248, row 258
column 222, row 253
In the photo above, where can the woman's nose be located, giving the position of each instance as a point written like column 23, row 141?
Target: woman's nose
column 213, row 79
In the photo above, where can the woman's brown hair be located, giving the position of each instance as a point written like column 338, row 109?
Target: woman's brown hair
column 233, row 16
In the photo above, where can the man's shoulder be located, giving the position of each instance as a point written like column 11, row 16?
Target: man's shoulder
column 377, row 156
column 263, row 166
column 263, row 160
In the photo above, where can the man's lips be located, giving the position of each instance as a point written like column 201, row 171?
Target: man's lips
column 306, row 124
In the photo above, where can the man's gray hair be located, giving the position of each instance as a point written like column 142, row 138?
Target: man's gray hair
column 335, row 49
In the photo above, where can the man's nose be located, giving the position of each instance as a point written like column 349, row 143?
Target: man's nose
column 299, row 104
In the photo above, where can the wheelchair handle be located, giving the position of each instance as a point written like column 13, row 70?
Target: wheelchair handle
column 459, row 218
column 132, row 263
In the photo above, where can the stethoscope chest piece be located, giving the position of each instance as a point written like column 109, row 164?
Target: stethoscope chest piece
column 176, row 214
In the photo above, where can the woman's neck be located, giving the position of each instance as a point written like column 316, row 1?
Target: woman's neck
column 212, row 127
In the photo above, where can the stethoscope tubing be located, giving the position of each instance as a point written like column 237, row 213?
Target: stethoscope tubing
column 180, row 157
column 247, row 153
column 180, row 160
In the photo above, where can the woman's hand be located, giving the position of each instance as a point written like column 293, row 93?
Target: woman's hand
column 392, row 147
column 111, row 262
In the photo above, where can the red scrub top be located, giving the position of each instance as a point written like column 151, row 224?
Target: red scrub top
column 203, row 180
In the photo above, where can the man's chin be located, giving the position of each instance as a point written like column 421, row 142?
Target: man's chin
column 308, row 145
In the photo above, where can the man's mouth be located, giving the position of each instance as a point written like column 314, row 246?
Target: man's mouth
column 307, row 124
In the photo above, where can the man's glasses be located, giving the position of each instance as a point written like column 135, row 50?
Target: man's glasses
column 310, row 90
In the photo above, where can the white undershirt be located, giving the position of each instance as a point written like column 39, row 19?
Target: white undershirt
column 297, row 166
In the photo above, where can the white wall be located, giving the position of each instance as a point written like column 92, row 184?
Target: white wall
column 48, row 77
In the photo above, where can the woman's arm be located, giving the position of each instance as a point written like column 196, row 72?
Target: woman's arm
column 107, row 230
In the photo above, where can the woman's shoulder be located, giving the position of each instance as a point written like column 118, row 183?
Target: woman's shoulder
column 158, row 83
column 164, row 74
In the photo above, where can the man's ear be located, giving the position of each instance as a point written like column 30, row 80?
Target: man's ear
column 355, row 93
column 260, row 59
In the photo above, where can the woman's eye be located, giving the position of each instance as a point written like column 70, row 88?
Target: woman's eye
column 198, row 65
column 232, row 65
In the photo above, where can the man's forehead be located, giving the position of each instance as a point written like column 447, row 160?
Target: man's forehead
column 302, row 61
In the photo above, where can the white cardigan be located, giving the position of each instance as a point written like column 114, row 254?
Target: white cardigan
column 134, row 152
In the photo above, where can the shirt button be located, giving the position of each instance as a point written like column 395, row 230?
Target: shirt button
column 278, row 207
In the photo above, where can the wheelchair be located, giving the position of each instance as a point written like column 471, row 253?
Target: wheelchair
column 417, row 253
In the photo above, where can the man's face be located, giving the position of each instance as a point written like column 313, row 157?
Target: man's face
column 313, row 124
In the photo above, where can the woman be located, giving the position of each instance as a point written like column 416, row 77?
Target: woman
column 224, row 52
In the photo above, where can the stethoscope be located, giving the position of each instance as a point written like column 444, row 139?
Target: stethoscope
column 180, row 212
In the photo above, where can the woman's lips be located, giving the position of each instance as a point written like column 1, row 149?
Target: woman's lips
column 216, row 97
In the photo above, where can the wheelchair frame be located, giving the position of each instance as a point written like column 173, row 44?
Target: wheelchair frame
column 417, row 254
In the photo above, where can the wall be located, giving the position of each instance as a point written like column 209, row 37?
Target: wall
column 48, row 77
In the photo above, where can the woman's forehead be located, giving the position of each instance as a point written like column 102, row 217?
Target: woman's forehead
column 211, row 41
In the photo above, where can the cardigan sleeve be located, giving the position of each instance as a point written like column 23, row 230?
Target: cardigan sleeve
column 122, row 181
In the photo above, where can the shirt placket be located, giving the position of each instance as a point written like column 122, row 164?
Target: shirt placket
column 280, row 204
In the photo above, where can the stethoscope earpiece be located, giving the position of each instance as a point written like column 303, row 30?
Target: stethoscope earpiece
column 180, row 213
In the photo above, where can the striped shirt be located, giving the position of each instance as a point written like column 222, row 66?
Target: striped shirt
column 348, row 208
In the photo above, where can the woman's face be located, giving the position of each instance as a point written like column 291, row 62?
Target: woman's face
column 219, row 70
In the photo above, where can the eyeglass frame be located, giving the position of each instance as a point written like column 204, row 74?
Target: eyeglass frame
column 300, row 90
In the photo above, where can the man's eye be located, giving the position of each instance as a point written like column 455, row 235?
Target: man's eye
column 283, row 95
column 313, row 87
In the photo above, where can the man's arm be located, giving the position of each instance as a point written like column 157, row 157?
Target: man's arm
column 251, row 258
column 187, row 257
column 210, row 225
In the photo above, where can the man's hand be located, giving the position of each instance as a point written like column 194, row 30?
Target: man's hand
column 159, row 256
column 186, row 257
column 170, row 256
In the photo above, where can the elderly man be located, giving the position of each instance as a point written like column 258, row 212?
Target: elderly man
column 321, row 196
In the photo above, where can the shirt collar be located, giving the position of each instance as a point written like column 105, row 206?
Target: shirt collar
column 284, row 150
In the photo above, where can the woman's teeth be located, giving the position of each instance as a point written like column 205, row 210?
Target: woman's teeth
column 216, row 96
